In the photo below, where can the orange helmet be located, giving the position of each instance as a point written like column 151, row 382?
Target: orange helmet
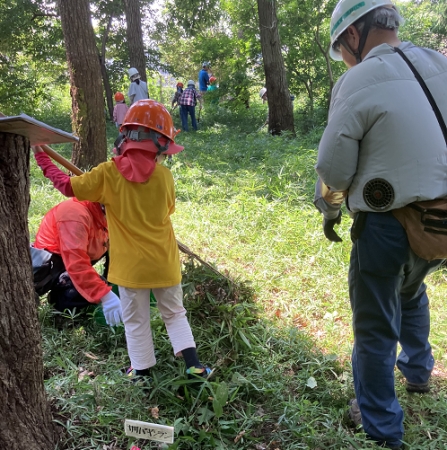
column 146, row 115
column 180, row 85
column 119, row 97
column 213, row 79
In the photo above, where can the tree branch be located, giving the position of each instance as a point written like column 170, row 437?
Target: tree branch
column 36, row 15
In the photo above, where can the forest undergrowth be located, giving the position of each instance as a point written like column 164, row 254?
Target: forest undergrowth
column 275, row 327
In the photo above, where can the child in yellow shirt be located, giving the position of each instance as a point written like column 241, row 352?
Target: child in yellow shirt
column 139, row 197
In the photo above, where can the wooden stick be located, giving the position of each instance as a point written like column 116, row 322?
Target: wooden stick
column 61, row 160
column 183, row 248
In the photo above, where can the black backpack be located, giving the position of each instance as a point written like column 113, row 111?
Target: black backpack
column 46, row 269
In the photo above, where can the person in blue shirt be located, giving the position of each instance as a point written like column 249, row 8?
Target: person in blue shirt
column 204, row 79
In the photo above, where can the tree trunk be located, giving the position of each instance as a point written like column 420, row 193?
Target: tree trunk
column 107, row 88
column 25, row 414
column 134, row 34
column 280, row 105
column 325, row 53
column 105, row 75
column 86, row 85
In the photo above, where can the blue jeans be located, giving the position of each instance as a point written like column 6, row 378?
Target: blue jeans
column 184, row 111
column 389, row 305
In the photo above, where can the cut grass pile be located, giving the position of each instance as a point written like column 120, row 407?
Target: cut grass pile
column 278, row 336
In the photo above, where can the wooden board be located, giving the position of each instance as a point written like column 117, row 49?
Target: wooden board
column 37, row 132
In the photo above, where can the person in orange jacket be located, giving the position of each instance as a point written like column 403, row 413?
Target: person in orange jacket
column 75, row 233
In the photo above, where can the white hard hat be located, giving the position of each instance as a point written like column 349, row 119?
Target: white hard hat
column 346, row 13
column 132, row 71
column 262, row 92
column 191, row 83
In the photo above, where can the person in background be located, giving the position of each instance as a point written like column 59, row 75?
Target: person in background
column 188, row 101
column 177, row 95
column 138, row 88
column 263, row 97
column 263, row 94
column 204, row 78
column 213, row 85
column 384, row 148
column 120, row 109
column 139, row 196
column 214, row 96
column 75, row 233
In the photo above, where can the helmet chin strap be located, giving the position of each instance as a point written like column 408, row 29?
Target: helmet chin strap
column 154, row 137
column 358, row 53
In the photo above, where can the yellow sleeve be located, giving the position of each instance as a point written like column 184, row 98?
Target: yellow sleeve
column 91, row 185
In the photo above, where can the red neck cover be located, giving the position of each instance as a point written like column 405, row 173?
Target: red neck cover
column 137, row 160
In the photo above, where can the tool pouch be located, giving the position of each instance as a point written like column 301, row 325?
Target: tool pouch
column 426, row 227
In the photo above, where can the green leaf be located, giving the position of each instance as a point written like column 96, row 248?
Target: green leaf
column 204, row 415
column 244, row 338
column 218, row 409
column 221, row 394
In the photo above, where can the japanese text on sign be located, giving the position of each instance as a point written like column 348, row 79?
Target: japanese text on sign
column 151, row 431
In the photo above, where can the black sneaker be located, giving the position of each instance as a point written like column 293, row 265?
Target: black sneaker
column 420, row 388
column 138, row 380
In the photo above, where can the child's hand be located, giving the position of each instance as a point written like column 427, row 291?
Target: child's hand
column 37, row 149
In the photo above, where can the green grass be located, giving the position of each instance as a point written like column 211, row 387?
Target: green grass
column 278, row 336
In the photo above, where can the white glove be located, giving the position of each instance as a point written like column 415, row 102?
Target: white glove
column 111, row 307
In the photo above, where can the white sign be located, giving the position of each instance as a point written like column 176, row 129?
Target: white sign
column 151, row 431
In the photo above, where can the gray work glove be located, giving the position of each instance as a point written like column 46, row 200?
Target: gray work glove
column 328, row 228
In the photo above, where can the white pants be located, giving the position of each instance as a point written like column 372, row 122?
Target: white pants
column 137, row 322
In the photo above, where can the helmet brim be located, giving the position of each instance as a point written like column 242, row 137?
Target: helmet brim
column 336, row 56
column 173, row 149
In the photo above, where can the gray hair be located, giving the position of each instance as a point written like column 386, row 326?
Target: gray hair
column 383, row 18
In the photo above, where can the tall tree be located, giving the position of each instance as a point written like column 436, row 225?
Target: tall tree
column 105, row 75
column 280, row 105
column 25, row 414
column 32, row 59
column 134, row 33
column 86, row 86
column 194, row 16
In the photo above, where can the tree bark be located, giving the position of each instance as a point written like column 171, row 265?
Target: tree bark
column 280, row 105
column 137, row 57
column 25, row 413
column 86, row 85
column 325, row 52
column 105, row 75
